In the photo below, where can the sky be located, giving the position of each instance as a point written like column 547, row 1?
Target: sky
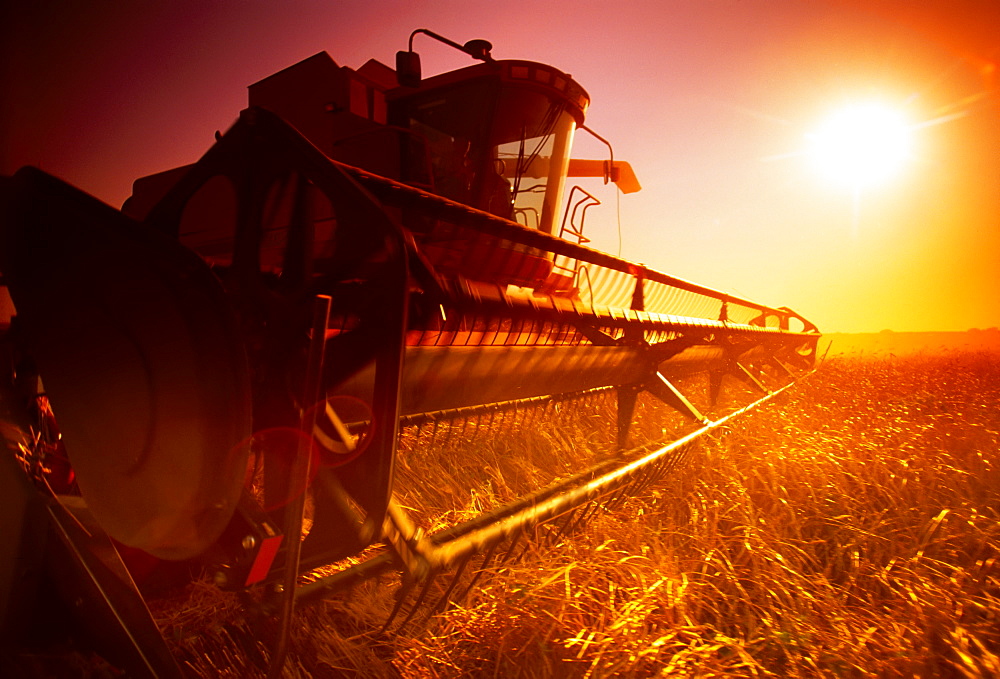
column 713, row 102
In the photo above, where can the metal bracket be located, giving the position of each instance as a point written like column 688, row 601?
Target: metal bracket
column 782, row 367
column 627, row 397
column 102, row 596
column 742, row 373
column 407, row 541
column 661, row 387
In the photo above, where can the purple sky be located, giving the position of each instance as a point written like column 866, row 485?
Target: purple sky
column 708, row 99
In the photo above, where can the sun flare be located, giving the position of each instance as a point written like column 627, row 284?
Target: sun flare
column 861, row 145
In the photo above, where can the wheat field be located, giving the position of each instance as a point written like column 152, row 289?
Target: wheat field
column 848, row 528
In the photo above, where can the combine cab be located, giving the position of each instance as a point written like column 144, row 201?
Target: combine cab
column 362, row 253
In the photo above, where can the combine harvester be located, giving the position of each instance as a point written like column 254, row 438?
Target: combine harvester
column 362, row 252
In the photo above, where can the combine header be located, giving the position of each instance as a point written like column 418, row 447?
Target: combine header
column 361, row 255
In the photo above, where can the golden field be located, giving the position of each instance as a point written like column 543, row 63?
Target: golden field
column 851, row 527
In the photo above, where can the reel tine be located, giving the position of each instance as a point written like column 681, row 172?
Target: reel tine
column 428, row 582
column 613, row 502
column 401, row 596
column 585, row 515
column 487, row 559
column 510, row 549
column 449, row 429
column 558, row 530
column 444, row 600
column 477, row 431
column 527, row 544
column 617, row 499
column 434, row 430
column 643, row 480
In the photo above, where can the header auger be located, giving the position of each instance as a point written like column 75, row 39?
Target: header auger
column 358, row 261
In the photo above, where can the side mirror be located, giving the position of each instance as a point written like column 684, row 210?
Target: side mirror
column 408, row 69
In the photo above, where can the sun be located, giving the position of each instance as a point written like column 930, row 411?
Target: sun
column 861, row 145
